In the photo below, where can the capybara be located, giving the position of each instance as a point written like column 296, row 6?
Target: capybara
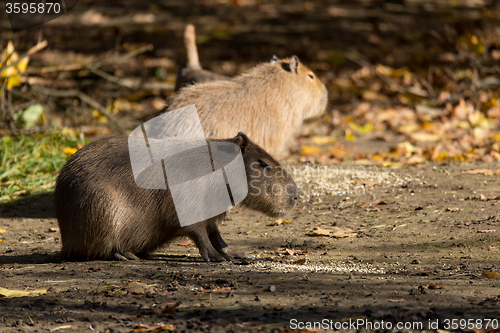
column 192, row 72
column 103, row 214
column 268, row 103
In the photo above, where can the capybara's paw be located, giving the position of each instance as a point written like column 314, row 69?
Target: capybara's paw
column 118, row 256
column 237, row 255
column 214, row 256
column 124, row 257
column 131, row 256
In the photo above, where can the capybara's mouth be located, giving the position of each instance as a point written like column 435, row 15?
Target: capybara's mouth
column 278, row 213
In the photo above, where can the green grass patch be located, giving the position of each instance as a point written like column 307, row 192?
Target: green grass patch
column 30, row 164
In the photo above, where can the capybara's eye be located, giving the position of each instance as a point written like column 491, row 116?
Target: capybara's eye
column 263, row 165
column 311, row 76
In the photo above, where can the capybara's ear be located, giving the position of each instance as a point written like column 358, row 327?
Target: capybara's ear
column 294, row 64
column 241, row 140
column 274, row 59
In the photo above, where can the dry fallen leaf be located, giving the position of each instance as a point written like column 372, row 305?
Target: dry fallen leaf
column 138, row 288
column 70, row 151
column 486, row 231
column 406, row 148
column 361, row 129
column 372, row 204
column 7, row 293
column 300, row 261
column 2, row 230
column 292, row 251
column 453, row 209
column 155, row 328
column 486, row 172
column 54, row 229
column 310, row 150
column 343, row 233
column 335, row 233
column 319, row 231
column 425, row 137
column 324, row 140
column 490, row 275
column 338, row 152
column 280, row 221
column 485, row 198
column 169, row 307
column 60, row 328
column 431, row 286
column 185, row 243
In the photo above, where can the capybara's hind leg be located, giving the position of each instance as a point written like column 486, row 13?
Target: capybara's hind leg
column 221, row 246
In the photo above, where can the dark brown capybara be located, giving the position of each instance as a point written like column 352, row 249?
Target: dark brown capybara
column 103, row 214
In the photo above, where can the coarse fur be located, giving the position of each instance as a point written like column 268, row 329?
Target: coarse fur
column 192, row 72
column 269, row 103
column 103, row 214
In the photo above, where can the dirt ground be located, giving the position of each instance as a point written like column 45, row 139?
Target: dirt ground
column 415, row 245
column 424, row 237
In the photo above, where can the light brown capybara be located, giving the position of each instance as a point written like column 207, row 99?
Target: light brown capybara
column 269, row 103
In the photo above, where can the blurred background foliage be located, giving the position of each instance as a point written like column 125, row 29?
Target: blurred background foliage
column 409, row 81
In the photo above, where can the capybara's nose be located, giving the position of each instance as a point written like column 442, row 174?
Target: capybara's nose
column 294, row 197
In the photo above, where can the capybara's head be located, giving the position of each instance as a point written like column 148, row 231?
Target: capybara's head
column 270, row 189
column 307, row 85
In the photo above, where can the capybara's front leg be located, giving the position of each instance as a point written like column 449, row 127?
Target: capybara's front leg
column 199, row 235
column 221, row 246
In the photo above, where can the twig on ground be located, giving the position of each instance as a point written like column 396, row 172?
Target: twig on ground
column 33, row 80
column 132, row 83
column 73, row 67
column 130, row 54
column 122, row 82
column 61, row 68
column 158, row 85
column 31, row 320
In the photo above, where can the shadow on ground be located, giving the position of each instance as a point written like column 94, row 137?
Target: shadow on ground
column 32, row 206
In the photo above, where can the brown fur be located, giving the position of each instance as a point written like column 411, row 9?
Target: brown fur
column 103, row 214
column 192, row 72
column 269, row 103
